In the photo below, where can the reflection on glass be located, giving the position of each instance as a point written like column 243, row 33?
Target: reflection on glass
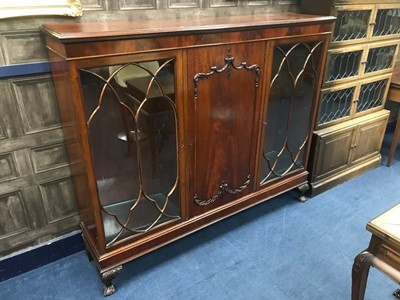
column 380, row 58
column 387, row 22
column 131, row 116
column 351, row 25
column 343, row 65
column 289, row 107
column 335, row 105
column 371, row 95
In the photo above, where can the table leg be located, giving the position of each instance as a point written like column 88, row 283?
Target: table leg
column 361, row 266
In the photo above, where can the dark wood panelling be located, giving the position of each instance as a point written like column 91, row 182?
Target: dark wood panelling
column 13, row 215
column 258, row 2
column 7, row 167
column 184, row 3
column 22, row 46
column 2, row 132
column 36, row 105
column 90, row 5
column 49, row 157
column 223, row 3
column 51, row 192
column 136, row 4
column 32, row 155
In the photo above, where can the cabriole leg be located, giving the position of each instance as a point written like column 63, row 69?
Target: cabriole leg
column 107, row 277
column 361, row 266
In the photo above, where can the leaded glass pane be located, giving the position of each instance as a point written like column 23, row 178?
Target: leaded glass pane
column 387, row 22
column 380, row 58
column 343, row 65
column 351, row 25
column 371, row 95
column 335, row 105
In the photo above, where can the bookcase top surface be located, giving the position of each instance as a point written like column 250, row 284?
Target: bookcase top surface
column 66, row 32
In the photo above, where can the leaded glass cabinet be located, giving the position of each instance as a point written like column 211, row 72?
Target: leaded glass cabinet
column 360, row 61
column 173, row 125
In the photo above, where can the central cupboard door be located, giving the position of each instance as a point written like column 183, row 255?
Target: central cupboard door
column 224, row 87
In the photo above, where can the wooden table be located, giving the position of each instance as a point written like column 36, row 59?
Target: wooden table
column 383, row 252
column 394, row 95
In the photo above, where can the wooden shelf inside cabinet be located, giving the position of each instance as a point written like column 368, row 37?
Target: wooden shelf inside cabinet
column 180, row 123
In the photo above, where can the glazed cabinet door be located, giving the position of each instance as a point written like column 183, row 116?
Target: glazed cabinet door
column 387, row 21
column 289, row 104
column 336, row 104
column 224, row 83
column 381, row 57
column 357, row 98
column 131, row 117
column 372, row 94
column 355, row 62
column 344, row 64
column 353, row 24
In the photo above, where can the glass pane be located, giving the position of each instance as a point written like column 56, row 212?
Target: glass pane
column 343, row 65
column 289, row 106
column 335, row 105
column 372, row 95
column 131, row 116
column 380, row 58
column 387, row 22
column 351, row 25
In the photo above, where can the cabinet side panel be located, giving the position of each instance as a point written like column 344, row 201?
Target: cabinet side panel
column 72, row 137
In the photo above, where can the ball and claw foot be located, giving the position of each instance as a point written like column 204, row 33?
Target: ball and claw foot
column 106, row 278
column 396, row 293
column 303, row 190
column 108, row 290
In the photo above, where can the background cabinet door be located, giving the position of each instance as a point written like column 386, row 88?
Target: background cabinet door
column 381, row 57
column 344, row 64
column 336, row 104
column 368, row 139
column 333, row 153
column 347, row 146
column 387, row 21
column 353, row 23
column 223, row 82
column 372, row 94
